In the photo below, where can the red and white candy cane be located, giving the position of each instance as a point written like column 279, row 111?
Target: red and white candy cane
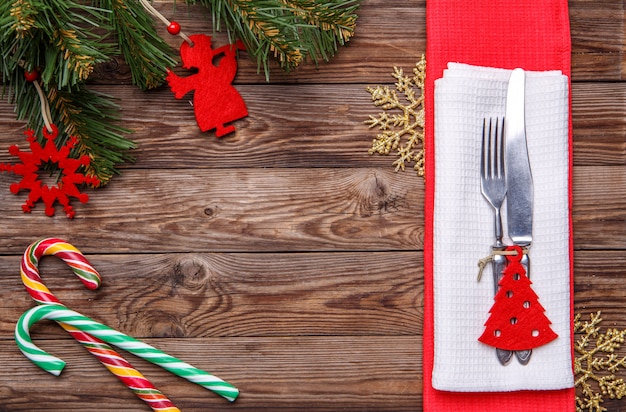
column 113, row 361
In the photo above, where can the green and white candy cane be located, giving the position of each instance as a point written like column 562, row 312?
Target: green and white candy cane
column 54, row 365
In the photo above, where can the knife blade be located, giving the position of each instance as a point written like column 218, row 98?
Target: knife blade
column 519, row 176
column 519, row 201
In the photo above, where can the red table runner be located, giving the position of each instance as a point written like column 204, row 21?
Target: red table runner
column 533, row 35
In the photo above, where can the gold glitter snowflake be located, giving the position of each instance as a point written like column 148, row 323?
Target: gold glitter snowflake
column 401, row 118
column 597, row 364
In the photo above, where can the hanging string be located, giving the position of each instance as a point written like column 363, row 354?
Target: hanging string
column 45, row 107
column 33, row 77
column 484, row 261
column 172, row 27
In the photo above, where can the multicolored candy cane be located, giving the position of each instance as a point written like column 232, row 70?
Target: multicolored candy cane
column 67, row 316
column 112, row 360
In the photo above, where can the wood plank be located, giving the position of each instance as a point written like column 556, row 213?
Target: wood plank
column 382, row 374
column 599, row 286
column 202, row 295
column 310, row 126
column 182, row 210
column 267, row 210
column 598, row 40
column 279, row 374
column 288, row 126
column 323, row 126
column 212, row 295
column 599, row 123
column 599, row 212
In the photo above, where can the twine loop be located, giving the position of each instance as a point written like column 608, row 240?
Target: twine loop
column 146, row 4
column 496, row 252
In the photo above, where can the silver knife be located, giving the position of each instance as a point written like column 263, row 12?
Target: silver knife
column 519, row 201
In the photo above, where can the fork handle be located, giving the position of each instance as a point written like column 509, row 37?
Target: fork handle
column 498, row 232
column 498, row 264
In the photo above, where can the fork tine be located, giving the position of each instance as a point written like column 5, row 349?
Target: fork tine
column 483, row 166
column 502, row 146
column 497, row 149
column 492, row 155
column 489, row 146
column 493, row 147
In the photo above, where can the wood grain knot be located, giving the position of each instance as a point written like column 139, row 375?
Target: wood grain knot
column 161, row 324
column 190, row 273
column 375, row 196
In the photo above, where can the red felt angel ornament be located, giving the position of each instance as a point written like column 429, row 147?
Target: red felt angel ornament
column 216, row 102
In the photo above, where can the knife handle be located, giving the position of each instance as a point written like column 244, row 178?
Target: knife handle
column 526, row 263
column 523, row 356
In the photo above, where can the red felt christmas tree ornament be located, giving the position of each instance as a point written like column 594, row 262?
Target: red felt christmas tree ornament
column 34, row 161
column 517, row 320
column 216, row 102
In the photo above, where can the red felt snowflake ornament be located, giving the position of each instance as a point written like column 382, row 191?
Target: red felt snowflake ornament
column 31, row 163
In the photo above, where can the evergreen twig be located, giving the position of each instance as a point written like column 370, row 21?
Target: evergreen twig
column 288, row 30
column 64, row 40
column 95, row 117
column 143, row 49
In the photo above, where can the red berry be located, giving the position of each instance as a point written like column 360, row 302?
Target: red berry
column 173, row 28
column 31, row 76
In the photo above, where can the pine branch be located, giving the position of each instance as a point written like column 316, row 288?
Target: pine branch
column 64, row 40
column 288, row 30
column 92, row 118
column 57, row 36
column 147, row 54
column 23, row 15
column 334, row 21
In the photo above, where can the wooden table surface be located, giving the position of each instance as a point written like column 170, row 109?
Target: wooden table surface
column 284, row 258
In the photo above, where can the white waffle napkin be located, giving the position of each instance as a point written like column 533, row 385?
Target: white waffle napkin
column 463, row 230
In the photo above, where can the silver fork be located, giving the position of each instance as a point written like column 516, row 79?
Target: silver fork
column 492, row 171
column 493, row 187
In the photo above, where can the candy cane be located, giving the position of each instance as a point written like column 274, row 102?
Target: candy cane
column 29, row 269
column 54, row 365
column 113, row 361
